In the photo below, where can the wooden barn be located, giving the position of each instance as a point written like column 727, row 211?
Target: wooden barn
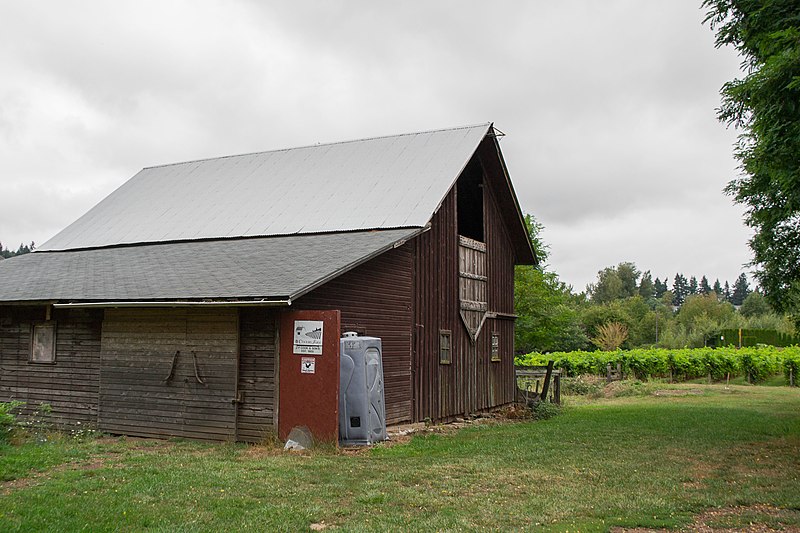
column 158, row 312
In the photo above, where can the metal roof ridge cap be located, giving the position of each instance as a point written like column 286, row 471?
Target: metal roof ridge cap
column 303, row 147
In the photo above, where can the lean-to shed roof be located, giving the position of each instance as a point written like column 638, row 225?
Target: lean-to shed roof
column 378, row 183
column 272, row 268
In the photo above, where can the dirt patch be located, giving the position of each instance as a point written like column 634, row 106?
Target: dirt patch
column 757, row 518
column 678, row 392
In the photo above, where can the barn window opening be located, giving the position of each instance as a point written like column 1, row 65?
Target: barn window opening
column 43, row 343
column 469, row 194
column 495, row 346
column 445, row 345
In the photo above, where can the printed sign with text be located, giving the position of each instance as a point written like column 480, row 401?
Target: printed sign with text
column 307, row 337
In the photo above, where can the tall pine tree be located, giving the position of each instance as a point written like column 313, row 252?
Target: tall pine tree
column 680, row 289
column 740, row 290
column 693, row 285
column 704, row 287
column 646, row 287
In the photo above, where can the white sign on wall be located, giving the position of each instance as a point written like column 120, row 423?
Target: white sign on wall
column 308, row 365
column 308, row 337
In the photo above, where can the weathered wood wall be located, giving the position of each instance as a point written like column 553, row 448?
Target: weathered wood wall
column 496, row 384
column 375, row 300
column 70, row 385
column 257, row 371
column 472, row 381
column 140, row 392
column 440, row 390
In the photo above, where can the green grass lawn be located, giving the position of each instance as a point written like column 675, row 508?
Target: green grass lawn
column 723, row 457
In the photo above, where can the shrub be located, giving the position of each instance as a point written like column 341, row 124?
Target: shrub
column 8, row 419
column 791, row 365
column 582, row 385
column 545, row 410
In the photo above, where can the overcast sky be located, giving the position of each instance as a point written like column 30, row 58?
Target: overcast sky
column 609, row 107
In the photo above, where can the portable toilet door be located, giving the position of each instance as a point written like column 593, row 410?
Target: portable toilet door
column 362, row 412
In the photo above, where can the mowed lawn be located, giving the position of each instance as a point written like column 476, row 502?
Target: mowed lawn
column 695, row 455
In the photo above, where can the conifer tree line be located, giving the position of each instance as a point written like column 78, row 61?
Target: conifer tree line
column 607, row 288
column 5, row 253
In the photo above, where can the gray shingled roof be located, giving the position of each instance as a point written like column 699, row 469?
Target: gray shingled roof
column 380, row 183
column 274, row 268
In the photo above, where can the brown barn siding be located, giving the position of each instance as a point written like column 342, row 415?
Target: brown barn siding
column 439, row 390
column 70, row 386
column 375, row 300
column 472, row 381
column 496, row 378
column 257, row 370
column 138, row 349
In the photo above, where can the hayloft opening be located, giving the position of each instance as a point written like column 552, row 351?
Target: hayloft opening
column 469, row 194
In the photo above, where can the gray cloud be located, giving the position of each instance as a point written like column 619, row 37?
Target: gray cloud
column 608, row 107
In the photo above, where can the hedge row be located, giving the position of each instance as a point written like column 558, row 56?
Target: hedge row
column 757, row 363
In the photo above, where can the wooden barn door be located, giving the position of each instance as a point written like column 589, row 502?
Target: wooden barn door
column 473, row 303
column 169, row 372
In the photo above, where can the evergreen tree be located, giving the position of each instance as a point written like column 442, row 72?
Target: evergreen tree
column 693, row 285
column 704, row 287
column 726, row 292
column 717, row 287
column 680, row 289
column 661, row 288
column 23, row 249
column 646, row 287
column 740, row 290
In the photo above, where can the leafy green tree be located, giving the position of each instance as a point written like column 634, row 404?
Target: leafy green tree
column 548, row 315
column 647, row 289
column 697, row 305
column 608, row 288
column 740, row 290
column 615, row 283
column 755, row 305
column 629, row 276
column 764, row 105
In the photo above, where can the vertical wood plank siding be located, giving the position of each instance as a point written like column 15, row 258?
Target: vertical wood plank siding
column 139, row 395
column 70, row 385
column 256, row 411
column 472, row 381
column 375, row 300
column 496, row 378
column 439, row 389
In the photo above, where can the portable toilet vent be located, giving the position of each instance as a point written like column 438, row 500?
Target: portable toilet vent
column 362, row 412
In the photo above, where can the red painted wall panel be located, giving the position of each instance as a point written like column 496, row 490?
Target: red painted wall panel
column 307, row 399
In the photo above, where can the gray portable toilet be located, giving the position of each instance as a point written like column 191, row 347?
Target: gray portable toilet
column 362, row 412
